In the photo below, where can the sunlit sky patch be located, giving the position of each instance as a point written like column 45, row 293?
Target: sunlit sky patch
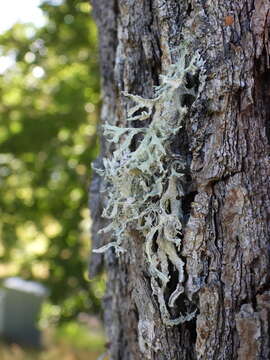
column 12, row 11
column 5, row 63
column 23, row 11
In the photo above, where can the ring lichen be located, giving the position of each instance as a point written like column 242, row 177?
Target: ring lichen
column 146, row 184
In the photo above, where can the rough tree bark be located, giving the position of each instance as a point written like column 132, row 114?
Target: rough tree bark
column 226, row 137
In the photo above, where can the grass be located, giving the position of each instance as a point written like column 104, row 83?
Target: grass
column 58, row 352
column 72, row 341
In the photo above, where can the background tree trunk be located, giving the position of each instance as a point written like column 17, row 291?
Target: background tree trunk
column 227, row 207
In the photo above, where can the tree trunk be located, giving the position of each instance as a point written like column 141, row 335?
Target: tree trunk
column 226, row 203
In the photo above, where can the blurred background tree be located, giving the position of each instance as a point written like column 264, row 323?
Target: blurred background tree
column 48, row 116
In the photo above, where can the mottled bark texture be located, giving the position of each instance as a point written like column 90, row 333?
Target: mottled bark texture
column 226, row 137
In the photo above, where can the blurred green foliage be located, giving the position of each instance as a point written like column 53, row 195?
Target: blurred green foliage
column 48, row 115
column 79, row 336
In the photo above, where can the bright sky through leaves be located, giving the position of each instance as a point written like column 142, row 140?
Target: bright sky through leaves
column 24, row 11
column 13, row 11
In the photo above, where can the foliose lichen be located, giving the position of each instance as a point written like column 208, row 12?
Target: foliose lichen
column 145, row 184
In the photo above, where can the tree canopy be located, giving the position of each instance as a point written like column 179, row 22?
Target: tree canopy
column 48, row 117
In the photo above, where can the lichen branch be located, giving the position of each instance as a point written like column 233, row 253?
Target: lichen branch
column 146, row 186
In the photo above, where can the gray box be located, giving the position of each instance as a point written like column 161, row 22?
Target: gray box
column 20, row 304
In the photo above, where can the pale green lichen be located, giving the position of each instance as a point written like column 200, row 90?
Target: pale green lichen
column 145, row 185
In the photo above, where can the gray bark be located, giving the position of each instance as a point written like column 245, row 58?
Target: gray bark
column 227, row 203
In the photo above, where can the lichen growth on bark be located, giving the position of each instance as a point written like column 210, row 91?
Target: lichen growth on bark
column 145, row 185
